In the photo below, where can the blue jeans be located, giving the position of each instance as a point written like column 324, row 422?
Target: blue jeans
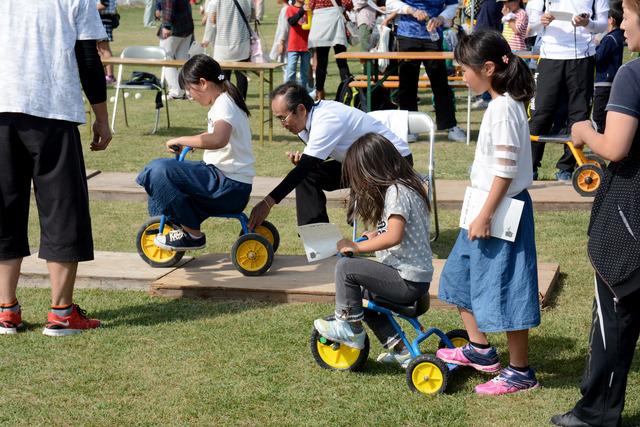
column 305, row 62
column 189, row 192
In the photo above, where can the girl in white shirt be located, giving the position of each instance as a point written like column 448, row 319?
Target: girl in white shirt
column 494, row 282
column 189, row 192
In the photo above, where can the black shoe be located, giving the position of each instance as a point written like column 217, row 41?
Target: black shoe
column 179, row 240
column 568, row 420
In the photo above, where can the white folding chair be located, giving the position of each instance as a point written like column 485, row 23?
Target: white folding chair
column 139, row 52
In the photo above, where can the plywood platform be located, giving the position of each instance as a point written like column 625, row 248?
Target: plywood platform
column 291, row 279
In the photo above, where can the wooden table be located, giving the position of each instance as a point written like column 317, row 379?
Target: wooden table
column 371, row 59
column 263, row 71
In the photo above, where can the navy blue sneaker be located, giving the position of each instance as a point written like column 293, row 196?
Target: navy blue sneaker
column 467, row 355
column 179, row 240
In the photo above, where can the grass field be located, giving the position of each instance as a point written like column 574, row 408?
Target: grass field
column 196, row 362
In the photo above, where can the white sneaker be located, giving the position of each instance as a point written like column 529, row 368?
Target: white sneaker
column 480, row 104
column 340, row 331
column 393, row 357
column 457, row 134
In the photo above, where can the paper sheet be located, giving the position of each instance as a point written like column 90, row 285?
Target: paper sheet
column 319, row 240
column 506, row 219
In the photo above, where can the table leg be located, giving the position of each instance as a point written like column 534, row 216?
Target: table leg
column 269, row 106
column 261, row 107
column 369, row 67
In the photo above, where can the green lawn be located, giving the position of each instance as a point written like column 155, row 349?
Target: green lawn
column 159, row 361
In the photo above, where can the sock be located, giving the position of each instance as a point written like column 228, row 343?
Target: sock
column 481, row 348
column 12, row 306
column 62, row 310
column 523, row 370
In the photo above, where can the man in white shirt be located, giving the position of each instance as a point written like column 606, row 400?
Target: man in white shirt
column 49, row 49
column 567, row 61
column 328, row 129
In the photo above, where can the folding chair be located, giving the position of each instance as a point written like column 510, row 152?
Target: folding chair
column 140, row 52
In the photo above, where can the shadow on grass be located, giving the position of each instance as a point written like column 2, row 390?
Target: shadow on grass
column 179, row 131
column 174, row 310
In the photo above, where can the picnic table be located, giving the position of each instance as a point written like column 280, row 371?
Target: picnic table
column 264, row 71
column 371, row 61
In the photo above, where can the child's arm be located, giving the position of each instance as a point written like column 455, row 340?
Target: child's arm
column 480, row 228
column 392, row 237
column 209, row 141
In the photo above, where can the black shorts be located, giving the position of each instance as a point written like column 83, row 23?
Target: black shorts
column 49, row 152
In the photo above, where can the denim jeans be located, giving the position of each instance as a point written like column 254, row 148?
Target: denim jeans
column 292, row 62
column 189, row 192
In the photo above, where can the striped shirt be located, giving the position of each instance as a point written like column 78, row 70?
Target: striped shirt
column 516, row 38
column 233, row 40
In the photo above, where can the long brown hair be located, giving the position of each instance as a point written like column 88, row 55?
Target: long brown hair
column 372, row 164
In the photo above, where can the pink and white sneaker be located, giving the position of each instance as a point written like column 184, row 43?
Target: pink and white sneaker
column 467, row 355
column 509, row 381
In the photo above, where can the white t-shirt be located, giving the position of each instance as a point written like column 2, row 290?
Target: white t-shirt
column 38, row 68
column 235, row 159
column 333, row 127
column 412, row 256
column 504, row 147
column 558, row 40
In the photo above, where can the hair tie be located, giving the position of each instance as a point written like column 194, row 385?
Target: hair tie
column 505, row 59
column 221, row 77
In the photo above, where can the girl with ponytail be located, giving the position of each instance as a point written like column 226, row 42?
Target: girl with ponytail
column 189, row 192
column 494, row 282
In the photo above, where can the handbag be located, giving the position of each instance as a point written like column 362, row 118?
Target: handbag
column 257, row 55
column 351, row 29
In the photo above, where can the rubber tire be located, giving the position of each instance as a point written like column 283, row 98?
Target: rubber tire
column 264, row 244
column 433, row 362
column 597, row 159
column 356, row 366
column 583, row 169
column 168, row 262
column 455, row 334
column 274, row 232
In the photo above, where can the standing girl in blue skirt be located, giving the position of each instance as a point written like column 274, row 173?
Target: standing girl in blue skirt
column 494, row 282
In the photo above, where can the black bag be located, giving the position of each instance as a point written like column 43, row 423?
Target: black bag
column 115, row 20
column 142, row 78
column 357, row 97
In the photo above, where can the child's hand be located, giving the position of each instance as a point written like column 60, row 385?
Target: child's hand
column 174, row 146
column 480, row 228
column 347, row 247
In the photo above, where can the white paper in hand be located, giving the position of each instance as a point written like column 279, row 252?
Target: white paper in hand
column 506, row 219
column 319, row 240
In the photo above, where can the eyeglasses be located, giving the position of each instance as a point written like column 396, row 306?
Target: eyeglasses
column 283, row 120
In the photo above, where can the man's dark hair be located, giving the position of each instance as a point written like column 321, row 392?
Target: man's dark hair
column 294, row 95
column 615, row 11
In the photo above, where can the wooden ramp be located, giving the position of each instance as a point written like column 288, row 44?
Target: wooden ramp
column 291, row 279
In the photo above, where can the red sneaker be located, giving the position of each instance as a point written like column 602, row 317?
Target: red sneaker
column 76, row 322
column 10, row 322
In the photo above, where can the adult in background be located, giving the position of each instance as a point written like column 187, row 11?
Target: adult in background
column 489, row 17
column 328, row 30
column 420, row 30
column 233, row 40
column 40, row 142
column 328, row 128
column 176, row 35
column 614, row 248
column 567, row 62
column 107, row 10
column 149, row 18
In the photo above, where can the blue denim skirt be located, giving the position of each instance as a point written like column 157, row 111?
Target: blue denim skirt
column 495, row 279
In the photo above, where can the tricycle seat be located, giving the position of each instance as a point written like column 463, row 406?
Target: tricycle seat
column 417, row 308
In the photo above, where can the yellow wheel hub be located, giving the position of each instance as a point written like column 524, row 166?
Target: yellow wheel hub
column 252, row 255
column 427, row 378
column 588, row 180
column 341, row 357
column 459, row 342
column 150, row 249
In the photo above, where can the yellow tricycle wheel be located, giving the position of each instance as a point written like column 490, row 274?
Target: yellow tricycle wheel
column 252, row 254
column 458, row 337
column 148, row 251
column 586, row 179
column 269, row 232
column 336, row 356
column 427, row 374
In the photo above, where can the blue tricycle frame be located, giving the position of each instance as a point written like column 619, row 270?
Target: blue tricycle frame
column 252, row 253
